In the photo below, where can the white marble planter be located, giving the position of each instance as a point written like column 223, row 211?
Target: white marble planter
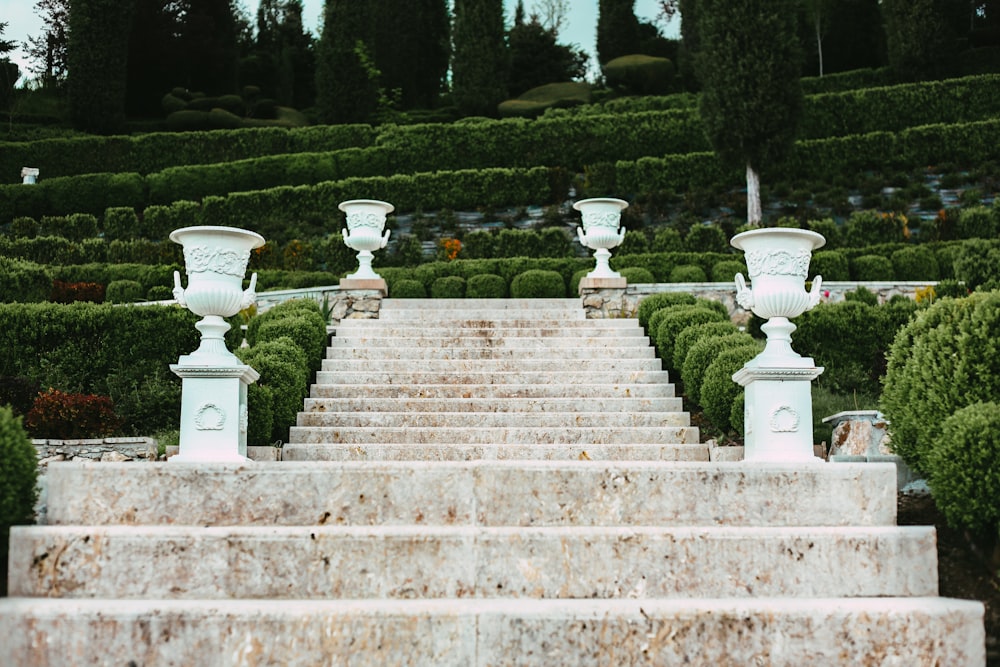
column 601, row 231
column 778, row 412
column 365, row 222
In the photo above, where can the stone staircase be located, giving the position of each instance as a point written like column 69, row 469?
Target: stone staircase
column 482, row 483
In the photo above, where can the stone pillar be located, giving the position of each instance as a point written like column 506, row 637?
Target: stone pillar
column 778, row 412
column 603, row 298
column 29, row 175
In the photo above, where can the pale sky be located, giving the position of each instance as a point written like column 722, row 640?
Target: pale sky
column 581, row 28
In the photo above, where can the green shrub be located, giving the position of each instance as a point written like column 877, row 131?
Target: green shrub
column 700, row 356
column 941, row 362
column 726, row 270
column 692, row 334
column 18, row 479
column 718, row 391
column 124, row 291
column 655, row 302
column 70, row 416
column 706, row 238
column 915, row 263
column 865, row 228
column 120, row 222
column 538, row 284
column 635, row 275
column 871, row 268
column 574, row 281
column 687, row 273
column 964, row 468
column 639, row 74
column 307, row 329
column 159, row 293
column 832, row 265
column 863, row 295
column 486, row 286
column 675, row 321
column 667, row 239
column 479, row 244
column 448, row 287
column 978, row 222
column 24, row 227
column 634, row 243
column 977, row 264
column 830, row 231
column 260, row 415
column 284, row 370
column 23, row 281
column 408, row 288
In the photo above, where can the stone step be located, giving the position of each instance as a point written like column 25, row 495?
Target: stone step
column 572, row 354
column 560, row 306
column 349, row 340
column 450, row 326
column 495, row 391
column 554, row 332
column 362, row 404
column 359, row 562
column 494, row 452
column 543, row 365
column 491, row 493
column 500, row 435
column 463, row 420
column 481, row 633
column 481, row 377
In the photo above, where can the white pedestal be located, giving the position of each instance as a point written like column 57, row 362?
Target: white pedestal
column 778, row 412
column 213, row 412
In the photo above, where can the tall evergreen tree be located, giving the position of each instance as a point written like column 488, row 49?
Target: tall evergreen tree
column 536, row 57
column 155, row 65
column 749, row 64
column 479, row 61
column 9, row 71
column 345, row 89
column 412, row 49
column 921, row 36
column 48, row 50
column 617, row 30
column 209, row 45
column 690, row 44
column 97, row 57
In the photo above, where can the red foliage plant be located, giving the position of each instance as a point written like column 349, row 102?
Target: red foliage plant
column 67, row 292
column 66, row 416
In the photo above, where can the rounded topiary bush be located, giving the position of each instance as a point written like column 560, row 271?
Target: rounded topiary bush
column 978, row 222
column 964, row 468
column 538, row 284
column 260, row 415
column 674, row 321
column 283, row 369
column 407, row 288
column 977, row 264
column 706, row 238
column 18, row 479
column 726, row 270
column 831, row 264
column 718, row 391
column 159, row 293
column 448, row 287
column 701, row 354
column 23, row 281
column 574, row 281
column 639, row 74
column 486, row 286
column 667, row 239
column 307, row 329
column 687, row 273
column 871, row 268
column 655, row 302
column 124, row 291
column 691, row 335
column 635, row 275
column 915, row 263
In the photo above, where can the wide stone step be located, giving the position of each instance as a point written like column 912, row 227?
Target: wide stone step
column 364, row 404
column 494, row 419
column 494, row 452
column 526, row 435
column 447, row 325
column 571, row 306
column 347, row 340
column 554, row 333
column 481, row 377
column 482, row 633
column 543, row 365
column 491, row 493
column 572, row 354
column 495, row 391
column 310, row 562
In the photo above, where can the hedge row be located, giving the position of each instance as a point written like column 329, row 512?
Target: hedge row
column 147, row 153
column 818, row 159
column 120, row 352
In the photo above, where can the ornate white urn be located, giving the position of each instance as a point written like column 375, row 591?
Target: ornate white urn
column 365, row 222
column 215, row 259
column 778, row 405
column 214, row 414
column 601, row 231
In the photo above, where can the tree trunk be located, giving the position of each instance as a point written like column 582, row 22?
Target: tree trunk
column 754, row 212
column 819, row 43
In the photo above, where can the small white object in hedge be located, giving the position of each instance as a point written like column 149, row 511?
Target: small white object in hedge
column 778, row 405
column 601, row 231
column 29, row 175
column 214, row 391
column 365, row 222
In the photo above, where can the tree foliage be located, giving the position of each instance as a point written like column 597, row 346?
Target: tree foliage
column 536, row 58
column 921, row 36
column 617, row 30
column 281, row 59
column 47, row 52
column 480, row 63
column 96, row 55
column 412, row 49
column 345, row 89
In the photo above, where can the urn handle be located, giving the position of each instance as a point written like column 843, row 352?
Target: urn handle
column 744, row 295
column 385, row 239
column 816, row 292
column 582, row 236
column 250, row 293
column 178, row 290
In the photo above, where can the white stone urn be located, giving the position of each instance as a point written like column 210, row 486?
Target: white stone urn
column 778, row 262
column 601, row 231
column 365, row 222
column 215, row 259
column 778, row 401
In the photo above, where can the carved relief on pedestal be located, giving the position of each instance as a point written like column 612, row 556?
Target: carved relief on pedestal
column 210, row 417
column 784, row 420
